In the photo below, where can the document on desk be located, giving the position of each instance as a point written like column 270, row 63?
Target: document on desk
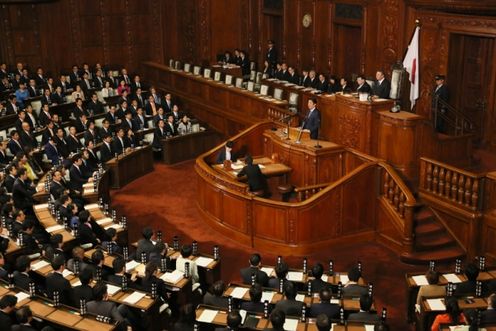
column 436, row 304
column 131, row 265
column 42, row 206
column 21, row 296
column 113, row 226
column 261, row 166
column 420, row 280
column 76, row 283
column 452, row 278
column 267, row 270
column 54, row 228
column 207, row 316
column 66, row 273
column 112, row 289
column 203, row 261
column 344, row 279
column 91, row 206
column 104, row 221
column 135, row 297
column 335, row 301
column 291, row 324
column 369, row 327
column 267, row 296
column 172, row 277
column 239, row 292
column 295, row 276
column 236, row 166
column 38, row 265
column 300, row 297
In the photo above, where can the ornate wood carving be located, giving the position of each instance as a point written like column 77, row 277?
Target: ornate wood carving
column 349, row 129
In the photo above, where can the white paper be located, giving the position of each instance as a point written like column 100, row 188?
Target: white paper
column 207, row 316
column 267, row 296
column 461, row 328
column 38, row 265
column 332, row 326
column 203, row 261
column 436, row 304
column 261, row 166
column 54, row 228
column 104, row 221
column 131, row 265
column 452, row 278
column 420, row 280
column 300, row 297
column 172, row 277
column 344, row 279
column 67, row 273
column 335, row 301
column 76, row 283
column 91, row 206
column 237, row 166
column 88, row 185
column 135, row 297
column 290, row 324
column 112, row 289
column 325, row 278
column 369, row 327
column 239, row 292
column 21, row 296
column 295, row 276
column 267, row 270
column 42, row 206
column 114, row 226
column 242, row 313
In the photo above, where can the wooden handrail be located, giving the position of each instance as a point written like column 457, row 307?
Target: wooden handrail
column 461, row 187
column 305, row 192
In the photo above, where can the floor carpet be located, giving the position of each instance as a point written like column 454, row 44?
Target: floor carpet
column 165, row 200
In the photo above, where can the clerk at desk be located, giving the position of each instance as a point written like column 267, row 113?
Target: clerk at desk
column 312, row 120
column 226, row 153
column 256, row 180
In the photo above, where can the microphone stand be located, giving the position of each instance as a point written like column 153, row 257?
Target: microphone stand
column 285, row 120
column 317, row 145
column 298, row 139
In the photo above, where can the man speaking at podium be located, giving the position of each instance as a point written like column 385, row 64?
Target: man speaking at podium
column 312, row 120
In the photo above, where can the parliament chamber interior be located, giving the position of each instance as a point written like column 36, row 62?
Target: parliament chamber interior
column 206, row 165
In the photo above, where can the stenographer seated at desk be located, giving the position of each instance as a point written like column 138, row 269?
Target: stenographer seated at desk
column 256, row 179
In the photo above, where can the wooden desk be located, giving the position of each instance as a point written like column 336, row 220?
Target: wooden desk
column 47, row 220
column 185, row 147
column 230, row 69
column 126, row 168
column 268, row 167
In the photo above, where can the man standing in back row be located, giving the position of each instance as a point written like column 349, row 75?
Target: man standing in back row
column 312, row 120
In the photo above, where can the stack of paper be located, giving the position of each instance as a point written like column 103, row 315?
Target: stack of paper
column 420, row 280
column 135, row 297
column 203, row 261
column 54, row 228
column 267, row 296
column 300, row 297
column 369, row 327
column 335, row 301
column 344, row 279
column 40, row 207
column 436, row 304
column 239, row 292
column 290, row 324
column 452, row 278
column 91, row 206
column 113, row 226
column 172, row 277
column 38, row 265
column 66, row 273
column 76, row 283
column 295, row 276
column 207, row 316
column 112, row 289
column 104, row 221
column 269, row 271
column 131, row 265
column 21, row 296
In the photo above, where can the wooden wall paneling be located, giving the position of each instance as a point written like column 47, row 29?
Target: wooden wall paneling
column 226, row 22
column 235, row 215
column 270, row 223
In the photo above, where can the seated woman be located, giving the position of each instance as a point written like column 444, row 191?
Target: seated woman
column 78, row 93
column 123, row 87
column 184, row 125
column 453, row 315
column 107, row 90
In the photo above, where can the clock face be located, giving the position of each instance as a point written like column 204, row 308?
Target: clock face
column 307, row 20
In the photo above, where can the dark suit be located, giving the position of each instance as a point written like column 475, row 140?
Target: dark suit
column 91, row 136
column 256, row 180
column 290, row 307
column 82, row 292
column 170, row 129
column 312, row 123
column 4, row 159
column 62, row 146
column 52, row 153
column 46, row 135
column 260, row 276
column 271, row 57
column 329, row 309
column 73, row 144
column 294, row 79
column 365, row 88
column 44, row 118
column 354, row 290
column 77, row 178
column 56, row 282
column 58, row 98
column 46, row 100
column 98, row 82
column 118, row 146
column 15, row 146
column 23, row 194
column 9, row 182
column 144, row 246
column 381, row 90
column 465, row 288
column 27, row 140
column 257, row 307
column 488, row 317
column 105, row 308
column 95, row 107
column 87, row 234
column 318, row 284
column 6, row 321
column 158, row 135
column 322, row 86
column 221, row 157
column 112, row 118
column 212, row 300
column 140, row 122
column 364, row 316
column 11, row 109
column 106, row 152
column 22, row 280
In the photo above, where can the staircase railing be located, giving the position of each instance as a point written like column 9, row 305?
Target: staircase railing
column 306, row 192
column 450, row 119
column 282, row 116
column 460, row 187
column 401, row 201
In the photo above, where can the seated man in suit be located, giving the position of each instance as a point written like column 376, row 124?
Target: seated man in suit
column 145, row 244
column 312, row 120
column 106, row 150
column 158, row 135
column 433, row 289
column 170, row 126
column 52, row 152
column 215, row 298
column 119, row 267
column 488, row 316
column 318, row 283
column 323, row 323
column 15, row 144
column 101, row 306
column 255, row 304
column 325, row 306
column 73, row 143
column 381, row 86
column 76, row 174
column 226, row 153
column 281, row 270
column 7, row 310
column 468, row 287
column 54, row 247
column 21, row 275
column 254, row 269
column 83, row 291
column 119, row 145
column 289, row 305
column 55, row 282
column 352, row 289
column 95, row 107
column 86, row 229
column 22, row 192
column 363, row 86
column 364, row 315
column 77, row 258
column 25, row 318
column 256, row 179
column 277, row 319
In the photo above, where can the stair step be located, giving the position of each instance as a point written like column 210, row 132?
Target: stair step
column 433, row 242
column 428, row 228
column 423, row 215
column 443, row 255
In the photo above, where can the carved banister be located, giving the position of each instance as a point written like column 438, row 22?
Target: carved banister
column 461, row 187
column 305, row 192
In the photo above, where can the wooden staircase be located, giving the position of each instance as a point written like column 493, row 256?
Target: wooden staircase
column 432, row 242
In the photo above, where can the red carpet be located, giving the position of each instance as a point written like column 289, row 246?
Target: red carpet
column 165, row 200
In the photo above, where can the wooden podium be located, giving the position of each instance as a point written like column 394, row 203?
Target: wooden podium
column 295, row 132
